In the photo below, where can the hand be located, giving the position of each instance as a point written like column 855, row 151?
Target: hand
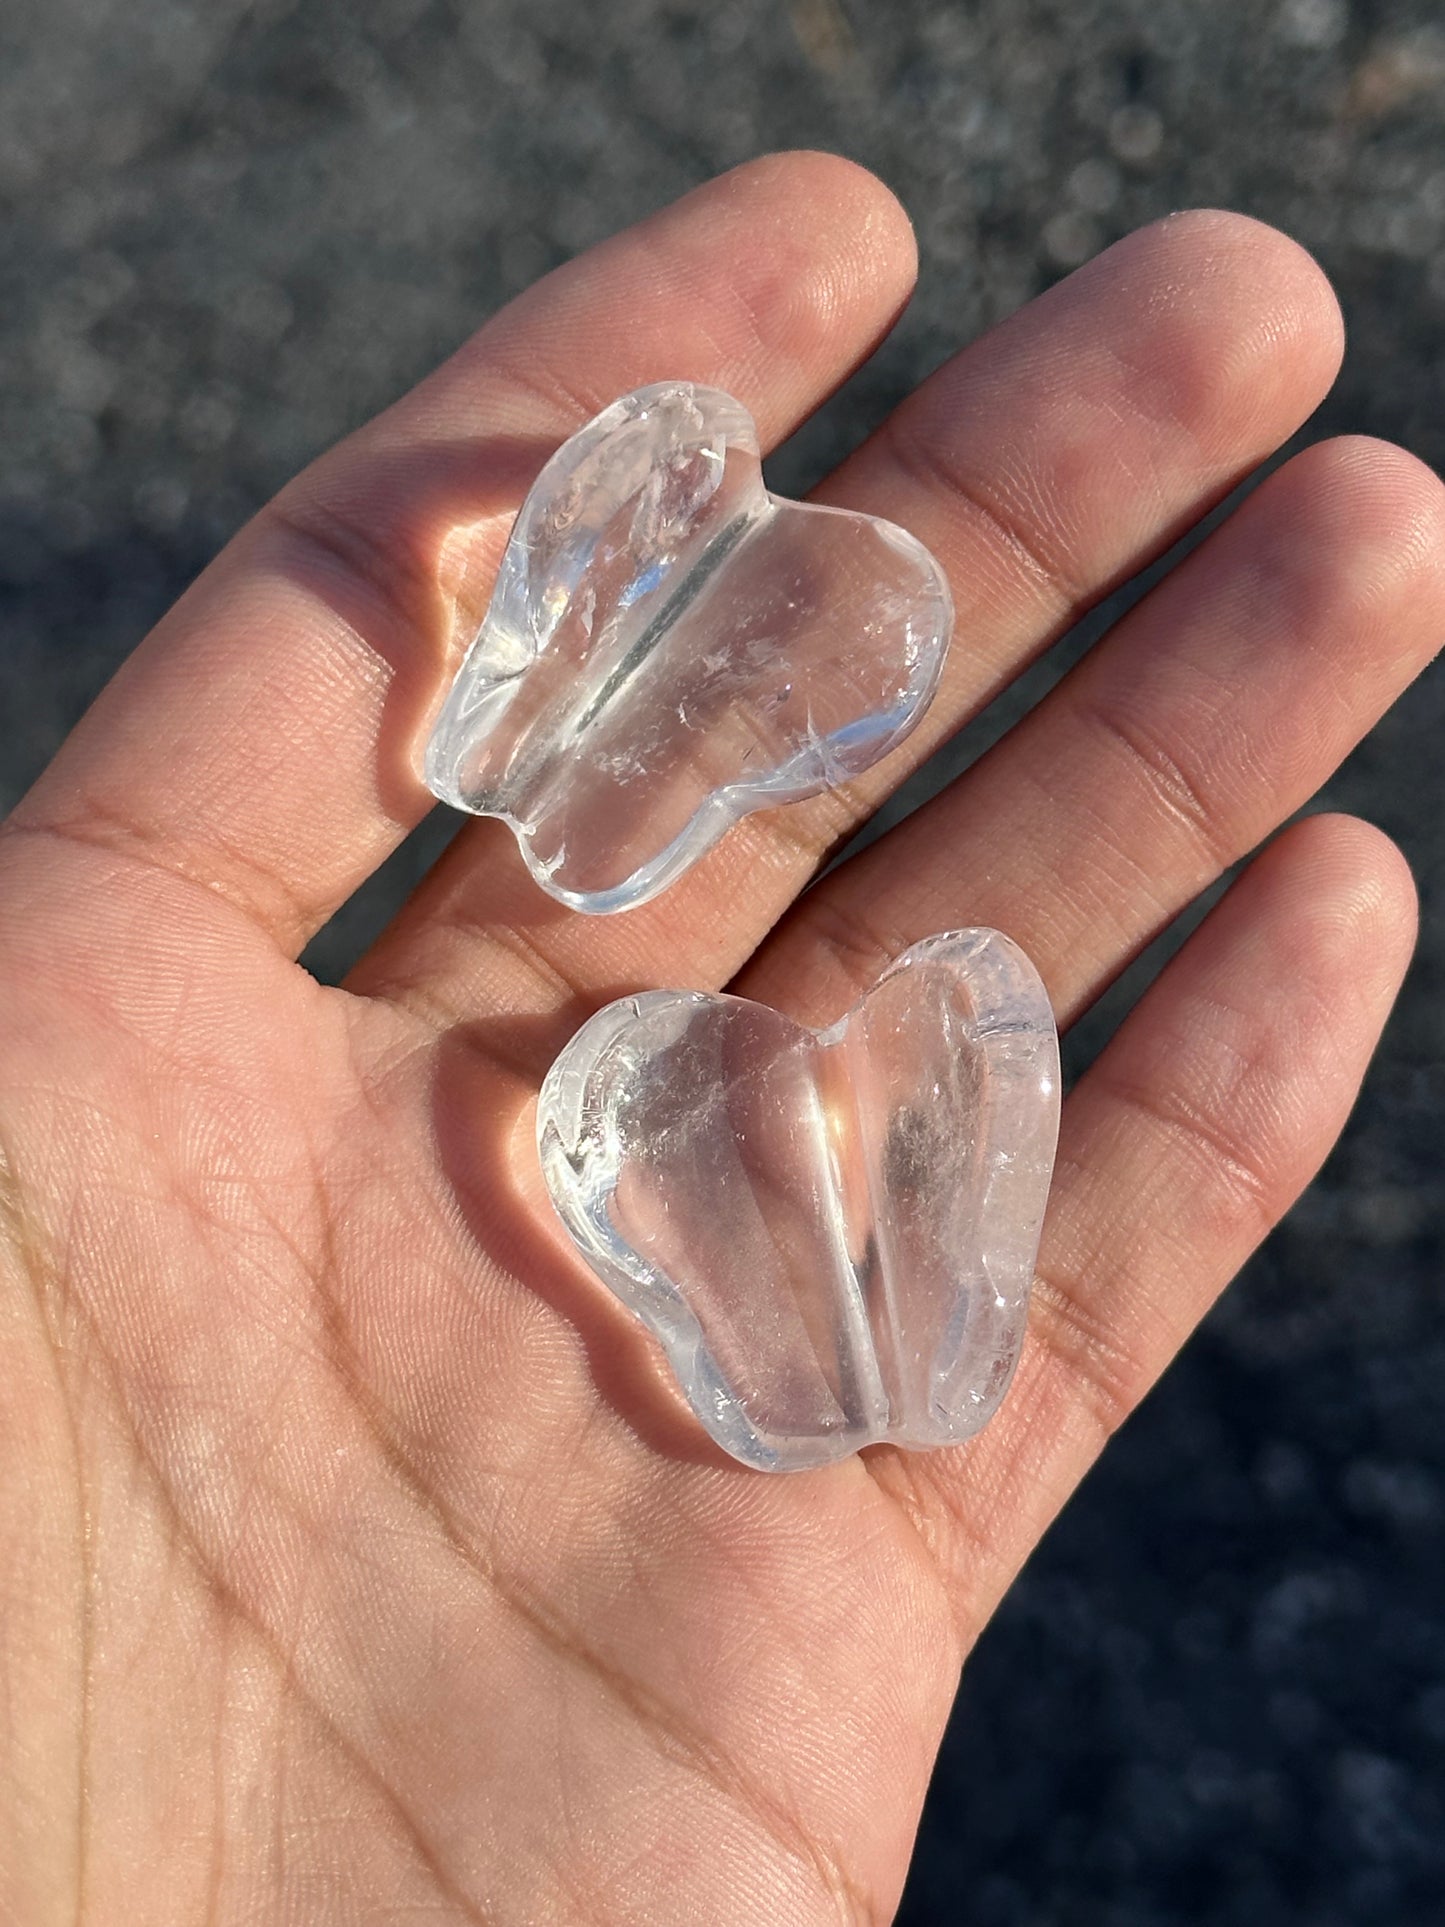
column 357, row 1563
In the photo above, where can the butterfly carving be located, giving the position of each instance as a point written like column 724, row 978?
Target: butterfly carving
column 831, row 1233
column 669, row 647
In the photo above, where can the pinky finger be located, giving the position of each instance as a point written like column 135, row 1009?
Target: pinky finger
column 1181, row 1148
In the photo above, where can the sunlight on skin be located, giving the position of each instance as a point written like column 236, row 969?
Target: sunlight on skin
column 356, row 1563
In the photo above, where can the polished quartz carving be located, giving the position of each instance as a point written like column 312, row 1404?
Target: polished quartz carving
column 831, row 1232
column 670, row 647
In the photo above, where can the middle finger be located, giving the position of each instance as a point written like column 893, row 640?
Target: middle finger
column 1043, row 465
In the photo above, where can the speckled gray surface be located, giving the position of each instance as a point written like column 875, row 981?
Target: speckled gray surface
column 231, row 230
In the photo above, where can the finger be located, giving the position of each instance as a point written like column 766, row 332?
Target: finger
column 1188, row 1140
column 261, row 742
column 1215, row 709
column 1043, row 465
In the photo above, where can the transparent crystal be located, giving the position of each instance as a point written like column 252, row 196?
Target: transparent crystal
column 670, row 647
column 833, row 1232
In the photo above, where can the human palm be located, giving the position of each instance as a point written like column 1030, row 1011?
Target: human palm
column 359, row 1562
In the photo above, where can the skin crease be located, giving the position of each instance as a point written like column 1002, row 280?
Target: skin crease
column 359, row 1564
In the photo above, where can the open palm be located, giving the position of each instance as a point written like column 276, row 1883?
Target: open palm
column 358, row 1562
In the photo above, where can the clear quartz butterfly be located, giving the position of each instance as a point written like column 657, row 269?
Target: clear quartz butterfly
column 669, row 647
column 831, row 1233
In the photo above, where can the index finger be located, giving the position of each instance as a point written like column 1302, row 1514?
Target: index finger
column 261, row 741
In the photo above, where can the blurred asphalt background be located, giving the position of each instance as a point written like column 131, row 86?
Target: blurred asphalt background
column 232, row 231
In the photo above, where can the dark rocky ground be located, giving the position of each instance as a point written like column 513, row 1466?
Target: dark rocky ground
column 232, row 230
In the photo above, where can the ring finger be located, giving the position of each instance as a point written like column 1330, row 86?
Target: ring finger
column 1212, row 712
